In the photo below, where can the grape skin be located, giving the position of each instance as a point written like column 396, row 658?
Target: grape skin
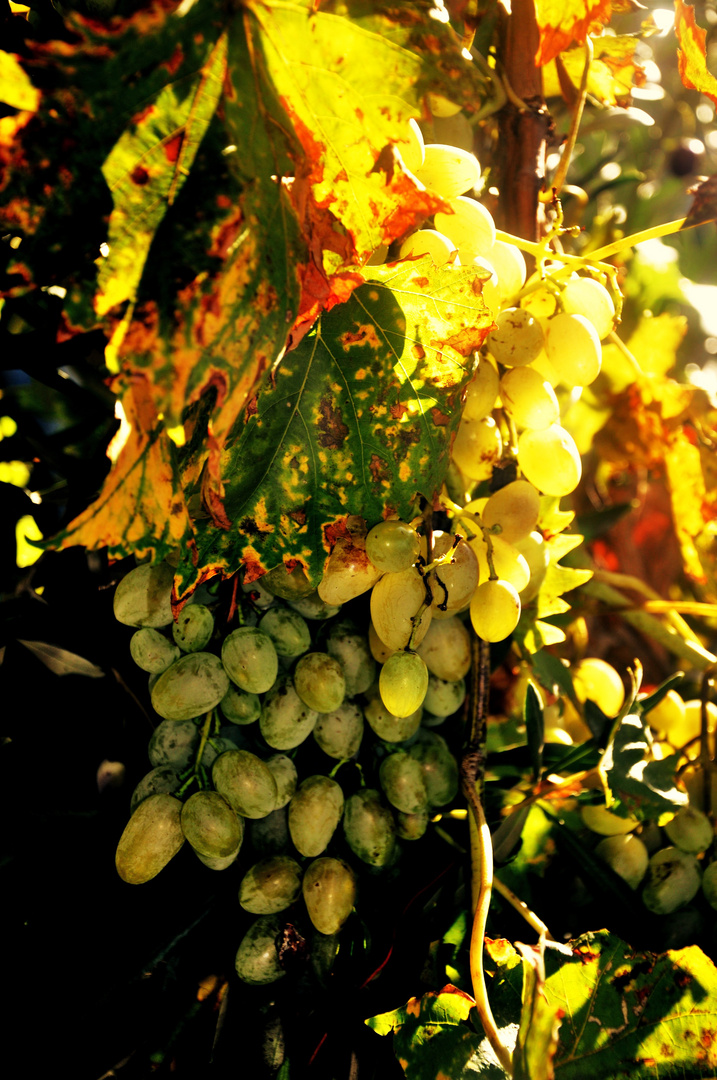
column 270, row 885
column 193, row 629
column 392, row 546
column 529, row 398
column 144, row 596
column 446, row 650
column 514, row 510
column 314, row 813
column 477, row 447
column 518, row 338
column 482, row 391
column 250, row 659
column 448, row 171
column 429, row 242
column 349, row 572
column 289, row 631
column 329, row 889
column 403, row 683
column 470, row 227
column 210, row 825
column 319, row 682
column 495, row 610
column 151, row 651
column 369, row 828
column 549, row 459
column 151, row 837
column 573, row 348
column 192, row 686
column 587, row 297
column 395, row 600
column 257, row 961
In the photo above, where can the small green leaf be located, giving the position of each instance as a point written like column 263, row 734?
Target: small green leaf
column 642, row 786
column 535, row 728
column 535, row 1049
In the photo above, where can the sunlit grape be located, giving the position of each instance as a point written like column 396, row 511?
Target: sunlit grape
column 518, row 338
column 395, row 602
column 509, row 564
column 453, row 582
column 549, row 459
column 470, row 227
column 348, row 573
column 477, row 447
column 446, row 649
column 597, row 680
column 429, row 242
column 413, row 150
column 529, row 398
column 512, row 511
column 537, row 555
column 379, row 651
column 573, row 348
column 690, row 830
column 627, row 855
column 448, row 171
column 403, row 683
column 587, row 297
column 482, row 391
column 392, row 546
column 509, row 264
column 495, row 610
column 441, row 106
column 600, row 820
column 668, row 715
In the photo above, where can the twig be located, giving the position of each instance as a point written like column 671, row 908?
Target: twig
column 562, row 170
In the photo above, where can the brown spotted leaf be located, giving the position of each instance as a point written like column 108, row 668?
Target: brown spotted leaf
column 704, row 203
column 692, row 54
column 614, row 71
column 562, row 22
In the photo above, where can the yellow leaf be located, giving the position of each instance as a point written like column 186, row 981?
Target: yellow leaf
column 656, row 340
column 561, row 22
column 15, row 86
column 692, row 54
column 688, row 497
column 27, row 529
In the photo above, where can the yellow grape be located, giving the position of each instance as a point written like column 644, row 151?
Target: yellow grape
column 550, row 460
column 585, row 296
column 626, row 855
column 481, row 392
column 379, row 651
column 529, row 398
column 453, row 582
column 668, row 715
column 573, row 348
column 470, row 227
column 600, row 820
column 441, row 106
column 597, row 680
column 413, row 150
column 395, row 600
column 495, row 610
column 446, row 649
column 509, row 264
column 348, row 573
column 392, row 546
column 477, row 447
column 514, row 509
column 448, row 170
column 509, row 564
column 518, row 338
column 403, row 683
column 429, row 242
column 490, row 291
column 535, row 552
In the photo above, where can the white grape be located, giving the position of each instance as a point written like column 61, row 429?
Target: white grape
column 453, row 582
column 573, row 348
column 585, row 296
column 536, row 554
column 627, row 855
column 513, row 510
column 549, row 459
column 448, row 171
column 529, row 399
column 518, row 338
column 495, row 610
column 470, row 227
column 509, row 264
column 477, row 447
column 429, row 242
column 509, row 564
column 481, row 392
column 490, row 291
column 599, row 681
column 395, row 601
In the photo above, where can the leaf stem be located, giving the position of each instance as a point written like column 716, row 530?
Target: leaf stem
column 567, row 155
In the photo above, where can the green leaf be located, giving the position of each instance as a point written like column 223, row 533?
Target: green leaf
column 649, row 701
column 552, row 672
column 535, row 728
column 540, row 1021
column 641, row 785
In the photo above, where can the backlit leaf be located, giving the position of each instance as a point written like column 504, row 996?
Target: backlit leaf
column 692, row 54
column 16, row 89
column 704, row 203
column 561, row 22
column 614, row 70
column 537, row 1043
column 641, row 785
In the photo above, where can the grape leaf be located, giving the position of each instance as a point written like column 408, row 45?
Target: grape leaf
column 537, row 1043
column 704, row 203
column 614, row 70
column 16, row 88
column 532, row 631
column 692, row 53
column 641, row 785
column 561, row 22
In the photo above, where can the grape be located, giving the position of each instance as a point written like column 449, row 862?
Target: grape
column 152, row 836
column 395, row 601
column 413, row 150
column 351, row 649
column 489, row 291
column 542, row 302
column 709, row 884
column 193, row 629
column 175, row 743
column 193, row 685
column 626, row 855
column 289, row 631
column 440, row 771
column 545, row 369
column 313, row 607
column 573, row 348
column 443, row 698
column 673, row 879
column 151, row 651
column 262, row 598
column 222, row 862
column 495, row 610
column 513, row 511
column 448, row 171
column 246, row 782
column 339, row 733
column 536, row 554
column 329, row 889
column 441, row 106
column 143, row 597
column 529, row 398
column 411, row 826
column 285, row 721
column 447, row 650
column 587, row 297
column 210, row 825
column 597, row 680
column 379, row 651
column 284, row 772
column 482, row 391
column 388, row 727
column 690, row 830
column 668, row 715
column 257, row 959
column 429, row 242
column 600, row 820
column 509, row 564
column 314, row 812
column 250, row 659
column 270, row 835
column 402, row 780
column 518, row 338
column 348, row 573
column 509, row 265
column 319, row 682
column 161, row 780
column 453, row 582
column 270, row 885
column 477, row 447
column 402, row 683
column 369, row 828
column 392, row 546
column 470, row 227
column 239, row 707
column 550, row 460
column 691, row 725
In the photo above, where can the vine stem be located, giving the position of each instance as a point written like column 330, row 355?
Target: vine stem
column 562, row 170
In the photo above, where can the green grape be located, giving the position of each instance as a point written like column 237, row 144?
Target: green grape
column 673, row 879
column 257, row 958
column 151, row 651
column 285, row 720
column 174, row 743
column 412, row 147
column 509, row 564
column 395, row 601
column 289, row 585
column 448, row 171
column 393, row 546
column 246, row 782
column 443, row 698
column 518, row 338
column 349, row 572
column 210, row 825
column 239, row 707
column 143, row 596
column 537, row 555
column 270, row 885
column 194, row 628
column 627, row 855
column 587, row 297
column 477, row 447
column 529, row 399
column 668, row 716
column 352, row 651
column 512, row 511
column 690, row 830
column 402, row 683
column 270, row 835
column 313, row 607
column 388, row 727
column 446, row 649
column 542, row 301
column 601, row 820
column 379, row 651
column 509, row 264
column 440, row 771
column 262, row 598
column 573, row 348
column 284, row 772
column 441, row 106
column 152, row 836
column 709, row 884
column 369, row 828
column 403, row 783
column 597, row 680
column 495, row 610
column 482, row 391
column 549, row 459
column 222, row 862
column 289, row 631
column 339, row 733
column 429, row 242
column 193, row 685
column 314, row 813
column 250, row 659
column 319, row 681
column 411, row 826
column 470, row 227
column 453, row 582
column 161, row 780
column 329, row 889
